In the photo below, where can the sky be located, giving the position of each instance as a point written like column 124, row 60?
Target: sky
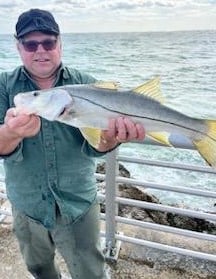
column 116, row 15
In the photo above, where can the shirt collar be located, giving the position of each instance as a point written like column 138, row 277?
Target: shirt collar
column 24, row 75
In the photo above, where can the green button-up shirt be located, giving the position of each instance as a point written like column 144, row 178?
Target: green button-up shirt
column 54, row 167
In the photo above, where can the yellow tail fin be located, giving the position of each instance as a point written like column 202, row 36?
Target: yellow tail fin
column 207, row 145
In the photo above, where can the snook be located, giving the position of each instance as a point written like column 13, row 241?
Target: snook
column 90, row 106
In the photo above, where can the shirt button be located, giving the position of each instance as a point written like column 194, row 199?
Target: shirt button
column 50, row 165
column 48, row 143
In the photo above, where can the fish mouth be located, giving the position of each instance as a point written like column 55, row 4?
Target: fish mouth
column 66, row 110
column 62, row 111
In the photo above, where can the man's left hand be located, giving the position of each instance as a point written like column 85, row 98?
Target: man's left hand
column 121, row 129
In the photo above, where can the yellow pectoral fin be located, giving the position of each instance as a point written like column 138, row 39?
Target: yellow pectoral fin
column 92, row 135
column 161, row 137
column 207, row 145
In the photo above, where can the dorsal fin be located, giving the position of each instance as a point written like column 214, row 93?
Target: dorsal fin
column 151, row 89
column 112, row 85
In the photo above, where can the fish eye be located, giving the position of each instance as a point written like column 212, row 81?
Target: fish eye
column 35, row 94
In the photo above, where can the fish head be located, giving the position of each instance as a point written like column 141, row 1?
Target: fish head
column 49, row 103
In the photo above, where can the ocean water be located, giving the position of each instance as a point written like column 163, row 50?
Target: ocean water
column 186, row 63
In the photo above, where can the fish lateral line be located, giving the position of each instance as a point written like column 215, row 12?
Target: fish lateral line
column 139, row 116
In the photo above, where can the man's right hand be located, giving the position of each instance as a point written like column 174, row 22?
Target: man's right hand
column 21, row 125
column 16, row 127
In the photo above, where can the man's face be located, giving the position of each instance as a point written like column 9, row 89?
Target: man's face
column 41, row 63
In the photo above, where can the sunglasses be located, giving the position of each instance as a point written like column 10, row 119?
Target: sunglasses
column 32, row 46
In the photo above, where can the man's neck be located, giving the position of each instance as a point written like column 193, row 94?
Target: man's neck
column 45, row 83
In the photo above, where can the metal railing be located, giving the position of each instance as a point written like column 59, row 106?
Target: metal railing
column 112, row 200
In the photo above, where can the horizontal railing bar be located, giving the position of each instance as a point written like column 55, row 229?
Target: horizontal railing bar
column 166, row 164
column 100, row 176
column 163, row 228
column 146, row 184
column 178, row 189
column 168, row 229
column 166, row 208
column 2, row 217
column 3, row 196
column 164, row 247
column 163, row 208
column 5, row 212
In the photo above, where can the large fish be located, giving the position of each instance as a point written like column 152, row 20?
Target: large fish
column 90, row 106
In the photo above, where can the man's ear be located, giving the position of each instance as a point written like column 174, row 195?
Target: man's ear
column 18, row 46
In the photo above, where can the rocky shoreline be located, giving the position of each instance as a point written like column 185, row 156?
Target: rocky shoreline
column 163, row 218
column 158, row 259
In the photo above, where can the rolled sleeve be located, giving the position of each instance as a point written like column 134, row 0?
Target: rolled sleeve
column 92, row 152
column 15, row 156
column 4, row 100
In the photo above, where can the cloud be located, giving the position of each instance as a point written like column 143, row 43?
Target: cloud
column 116, row 15
column 9, row 8
column 131, row 14
column 102, row 8
column 10, row 4
column 152, row 4
column 121, row 5
column 75, row 4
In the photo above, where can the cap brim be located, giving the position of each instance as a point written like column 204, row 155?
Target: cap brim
column 30, row 29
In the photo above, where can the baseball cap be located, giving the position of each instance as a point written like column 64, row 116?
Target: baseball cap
column 36, row 20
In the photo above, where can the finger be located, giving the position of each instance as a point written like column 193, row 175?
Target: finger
column 112, row 128
column 32, row 122
column 131, row 129
column 12, row 112
column 140, row 131
column 111, row 132
column 121, row 129
column 25, row 130
column 19, row 121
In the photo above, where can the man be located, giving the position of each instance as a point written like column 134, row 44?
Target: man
column 49, row 166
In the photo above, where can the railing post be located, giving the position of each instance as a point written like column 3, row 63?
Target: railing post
column 112, row 247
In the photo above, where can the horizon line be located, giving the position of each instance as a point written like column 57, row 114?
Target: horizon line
column 149, row 31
